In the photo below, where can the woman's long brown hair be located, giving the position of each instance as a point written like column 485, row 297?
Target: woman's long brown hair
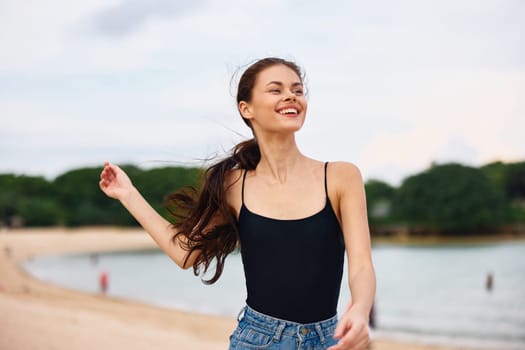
column 194, row 210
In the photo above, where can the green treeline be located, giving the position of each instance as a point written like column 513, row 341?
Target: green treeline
column 444, row 199
column 451, row 199
column 75, row 199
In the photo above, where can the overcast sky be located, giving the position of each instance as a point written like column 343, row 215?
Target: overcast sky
column 393, row 85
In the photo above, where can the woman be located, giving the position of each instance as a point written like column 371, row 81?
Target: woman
column 292, row 216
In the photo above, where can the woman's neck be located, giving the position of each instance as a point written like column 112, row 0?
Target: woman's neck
column 279, row 157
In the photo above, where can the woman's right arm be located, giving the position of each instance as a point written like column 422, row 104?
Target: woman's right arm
column 116, row 184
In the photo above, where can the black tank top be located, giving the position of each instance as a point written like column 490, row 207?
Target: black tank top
column 293, row 268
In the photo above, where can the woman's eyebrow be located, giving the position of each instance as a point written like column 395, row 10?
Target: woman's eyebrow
column 281, row 84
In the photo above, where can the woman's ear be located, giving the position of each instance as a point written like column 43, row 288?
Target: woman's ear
column 245, row 110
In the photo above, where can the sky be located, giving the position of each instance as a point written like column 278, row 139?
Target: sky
column 393, row 86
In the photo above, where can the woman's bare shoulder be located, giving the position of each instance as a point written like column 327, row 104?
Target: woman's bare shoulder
column 342, row 168
column 233, row 177
column 345, row 174
column 233, row 189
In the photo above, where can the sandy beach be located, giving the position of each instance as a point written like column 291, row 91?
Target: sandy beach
column 35, row 315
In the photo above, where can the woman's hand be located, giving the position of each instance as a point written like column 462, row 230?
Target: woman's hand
column 114, row 182
column 352, row 330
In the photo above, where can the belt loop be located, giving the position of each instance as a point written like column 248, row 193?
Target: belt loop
column 319, row 332
column 279, row 332
column 243, row 311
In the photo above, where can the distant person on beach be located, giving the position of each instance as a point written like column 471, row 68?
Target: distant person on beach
column 489, row 282
column 292, row 217
column 94, row 258
column 103, row 281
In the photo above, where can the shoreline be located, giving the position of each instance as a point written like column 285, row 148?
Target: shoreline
column 67, row 319
column 444, row 240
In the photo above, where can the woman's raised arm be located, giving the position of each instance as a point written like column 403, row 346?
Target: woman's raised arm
column 116, row 184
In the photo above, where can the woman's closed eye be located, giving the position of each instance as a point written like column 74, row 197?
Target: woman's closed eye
column 295, row 92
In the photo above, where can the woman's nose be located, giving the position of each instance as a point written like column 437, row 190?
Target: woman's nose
column 289, row 96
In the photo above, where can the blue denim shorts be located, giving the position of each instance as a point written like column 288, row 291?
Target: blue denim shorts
column 259, row 331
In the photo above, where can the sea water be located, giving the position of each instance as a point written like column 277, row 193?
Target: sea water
column 429, row 294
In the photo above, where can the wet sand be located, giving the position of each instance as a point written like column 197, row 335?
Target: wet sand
column 35, row 315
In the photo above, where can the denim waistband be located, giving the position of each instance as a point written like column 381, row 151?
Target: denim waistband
column 280, row 327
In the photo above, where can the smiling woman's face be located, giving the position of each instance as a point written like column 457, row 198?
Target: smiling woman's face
column 278, row 103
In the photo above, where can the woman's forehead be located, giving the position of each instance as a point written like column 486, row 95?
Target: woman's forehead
column 278, row 73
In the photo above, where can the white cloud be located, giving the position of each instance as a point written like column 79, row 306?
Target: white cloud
column 127, row 15
column 34, row 34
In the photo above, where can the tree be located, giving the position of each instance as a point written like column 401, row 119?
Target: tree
column 379, row 197
column 31, row 198
column 497, row 173
column 156, row 184
column 40, row 211
column 78, row 191
column 515, row 181
column 450, row 198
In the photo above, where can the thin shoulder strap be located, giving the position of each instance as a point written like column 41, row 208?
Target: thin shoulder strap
column 325, row 182
column 242, row 190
